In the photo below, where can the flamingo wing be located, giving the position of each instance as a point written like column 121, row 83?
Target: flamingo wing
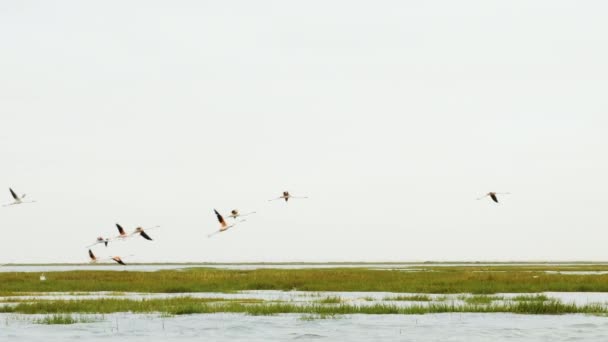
column 119, row 260
column 14, row 194
column 145, row 236
column 220, row 218
column 121, row 231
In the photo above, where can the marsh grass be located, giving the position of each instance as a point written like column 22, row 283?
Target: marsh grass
column 480, row 299
column 445, row 280
column 65, row 319
column 174, row 306
column 183, row 306
column 12, row 300
column 412, row 298
column 533, row 298
column 329, row 300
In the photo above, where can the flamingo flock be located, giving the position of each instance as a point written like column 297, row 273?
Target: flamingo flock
column 235, row 216
column 122, row 236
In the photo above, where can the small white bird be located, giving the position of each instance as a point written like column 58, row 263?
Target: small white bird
column 286, row 196
column 223, row 225
column 493, row 195
column 42, row 277
column 18, row 199
column 234, row 214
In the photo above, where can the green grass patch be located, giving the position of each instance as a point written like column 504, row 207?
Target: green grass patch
column 329, row 300
column 444, row 280
column 533, row 298
column 480, row 299
column 412, row 298
column 65, row 319
column 182, row 306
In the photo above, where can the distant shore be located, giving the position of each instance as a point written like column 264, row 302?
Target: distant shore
column 473, row 263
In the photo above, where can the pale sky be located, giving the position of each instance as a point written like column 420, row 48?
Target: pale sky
column 392, row 116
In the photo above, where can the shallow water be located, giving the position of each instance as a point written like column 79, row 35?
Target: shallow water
column 238, row 327
column 308, row 297
column 152, row 268
column 578, row 272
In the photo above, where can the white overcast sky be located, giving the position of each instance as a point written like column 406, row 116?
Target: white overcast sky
column 392, row 116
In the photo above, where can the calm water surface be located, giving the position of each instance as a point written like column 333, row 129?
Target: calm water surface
column 237, row 327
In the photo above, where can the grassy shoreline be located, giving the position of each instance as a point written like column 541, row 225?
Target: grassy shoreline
column 476, row 280
column 187, row 305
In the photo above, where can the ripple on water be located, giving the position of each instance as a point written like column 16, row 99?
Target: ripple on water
column 237, row 327
column 308, row 337
column 583, row 325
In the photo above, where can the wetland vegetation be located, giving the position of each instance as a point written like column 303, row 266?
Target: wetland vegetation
column 434, row 279
column 64, row 319
column 473, row 289
column 409, row 298
column 187, row 305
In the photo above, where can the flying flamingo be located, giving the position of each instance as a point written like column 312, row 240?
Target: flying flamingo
column 223, row 225
column 493, row 195
column 18, row 199
column 118, row 260
column 99, row 240
column 140, row 231
column 121, row 232
column 95, row 259
column 92, row 256
column 234, row 214
column 286, row 196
